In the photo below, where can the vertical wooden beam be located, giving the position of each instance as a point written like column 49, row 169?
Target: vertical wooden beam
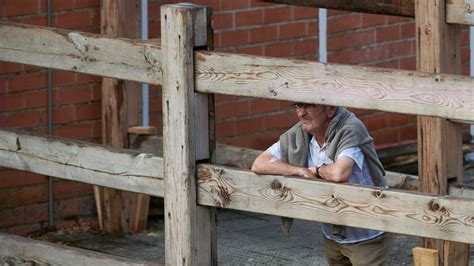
column 189, row 229
column 439, row 141
column 425, row 257
column 120, row 109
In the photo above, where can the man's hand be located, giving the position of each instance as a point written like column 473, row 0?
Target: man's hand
column 267, row 164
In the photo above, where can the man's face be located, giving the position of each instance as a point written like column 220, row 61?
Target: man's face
column 314, row 118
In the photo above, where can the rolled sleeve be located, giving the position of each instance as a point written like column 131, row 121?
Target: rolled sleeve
column 355, row 154
column 275, row 150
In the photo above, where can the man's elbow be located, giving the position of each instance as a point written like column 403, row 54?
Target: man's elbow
column 256, row 168
column 341, row 176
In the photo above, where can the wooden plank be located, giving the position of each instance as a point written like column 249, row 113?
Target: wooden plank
column 439, row 141
column 120, row 109
column 404, row 8
column 399, row 91
column 81, row 52
column 443, row 217
column 140, row 130
column 33, row 252
column 188, row 227
column 460, row 12
column 425, row 257
column 82, row 161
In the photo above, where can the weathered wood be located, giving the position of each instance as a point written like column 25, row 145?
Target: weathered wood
column 83, row 162
column 138, row 130
column 404, row 8
column 439, row 142
column 81, row 52
column 460, row 12
column 398, row 91
column 443, row 217
column 425, row 257
column 34, row 252
column 120, row 109
column 188, row 227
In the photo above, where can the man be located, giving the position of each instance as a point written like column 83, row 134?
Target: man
column 331, row 143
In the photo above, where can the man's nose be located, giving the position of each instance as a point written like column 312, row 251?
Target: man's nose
column 300, row 112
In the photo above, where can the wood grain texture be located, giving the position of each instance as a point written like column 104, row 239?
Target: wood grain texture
column 34, row 252
column 398, row 91
column 404, row 8
column 83, row 162
column 460, row 12
column 439, row 142
column 425, row 257
column 81, row 52
column 410, row 213
column 188, row 227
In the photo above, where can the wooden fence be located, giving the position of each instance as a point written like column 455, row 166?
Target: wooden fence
column 187, row 176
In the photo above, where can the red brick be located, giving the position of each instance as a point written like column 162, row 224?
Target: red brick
column 313, row 29
column 388, row 33
column 62, row 5
column 154, row 30
column 261, row 105
column 344, row 23
column 387, row 64
column 11, row 178
column 13, row 216
column 21, row 7
column 64, row 115
column 76, row 131
column 233, row 109
column 28, row 82
column 24, row 230
column 95, row 21
column 87, row 3
column 223, row 21
column 385, row 136
column 407, row 63
column 73, row 20
column 240, row 141
column 302, row 12
column 262, row 142
column 400, row 120
column 37, row 213
column 7, row 67
column 11, row 102
column 401, row 49
column 375, row 121
column 247, row 18
column 252, row 50
column 89, row 111
column 74, row 95
column 293, row 30
column 4, row 199
column 41, row 20
column 279, row 50
column 61, row 78
column 278, row 14
column 263, row 34
column 355, row 39
column 75, row 207
column 32, row 178
column 234, row 4
column 36, row 99
column 395, row 19
column 254, row 3
column 28, row 195
column 222, row 98
column 369, row 20
column 2, row 85
column 250, row 125
column 407, row 30
column 306, row 47
column 408, row 132
column 85, row 78
column 280, row 120
column 63, row 189
column 225, row 128
column 234, row 38
column 83, row 189
column 26, row 119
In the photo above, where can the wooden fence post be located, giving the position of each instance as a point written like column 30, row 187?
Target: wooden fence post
column 189, row 229
column 439, row 141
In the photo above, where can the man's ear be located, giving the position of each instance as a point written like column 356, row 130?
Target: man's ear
column 331, row 111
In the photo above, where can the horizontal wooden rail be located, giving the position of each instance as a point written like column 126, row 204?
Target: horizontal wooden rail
column 83, row 162
column 443, row 217
column 398, row 91
column 27, row 251
column 458, row 11
column 403, row 8
column 81, row 52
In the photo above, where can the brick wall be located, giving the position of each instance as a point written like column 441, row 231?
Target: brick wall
column 241, row 26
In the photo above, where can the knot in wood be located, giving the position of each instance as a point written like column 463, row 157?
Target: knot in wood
column 276, row 185
column 379, row 194
column 427, row 30
column 435, row 206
